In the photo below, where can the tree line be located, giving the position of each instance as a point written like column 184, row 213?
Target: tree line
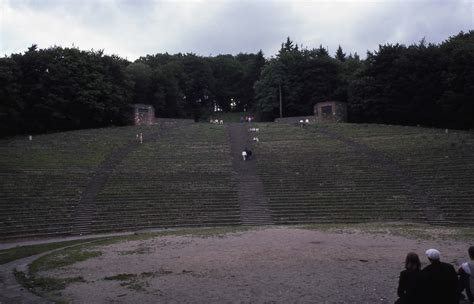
column 53, row 89
column 421, row 84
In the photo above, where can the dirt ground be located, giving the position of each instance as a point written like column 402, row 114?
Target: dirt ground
column 273, row 265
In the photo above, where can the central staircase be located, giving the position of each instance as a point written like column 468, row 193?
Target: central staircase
column 253, row 203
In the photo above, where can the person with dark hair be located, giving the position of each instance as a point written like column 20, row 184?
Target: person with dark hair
column 439, row 281
column 466, row 276
column 408, row 284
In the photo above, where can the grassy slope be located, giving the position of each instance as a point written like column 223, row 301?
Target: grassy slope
column 310, row 177
column 42, row 180
column 440, row 162
column 184, row 178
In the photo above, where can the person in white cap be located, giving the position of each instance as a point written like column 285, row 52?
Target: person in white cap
column 439, row 281
column 433, row 255
column 466, row 276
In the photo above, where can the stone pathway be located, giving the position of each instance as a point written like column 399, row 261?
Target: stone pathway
column 11, row 292
column 253, row 203
column 86, row 207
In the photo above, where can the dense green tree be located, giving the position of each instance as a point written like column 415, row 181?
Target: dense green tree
column 11, row 104
column 267, row 89
column 140, row 73
column 198, row 86
column 228, row 75
column 252, row 65
column 231, row 81
column 168, row 97
column 62, row 89
column 304, row 77
column 419, row 84
column 456, row 102
column 340, row 55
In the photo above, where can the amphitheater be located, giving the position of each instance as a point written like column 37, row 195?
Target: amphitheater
column 80, row 184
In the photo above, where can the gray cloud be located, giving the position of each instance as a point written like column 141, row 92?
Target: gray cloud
column 132, row 28
column 409, row 22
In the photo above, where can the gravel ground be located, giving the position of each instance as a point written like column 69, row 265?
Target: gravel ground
column 273, row 265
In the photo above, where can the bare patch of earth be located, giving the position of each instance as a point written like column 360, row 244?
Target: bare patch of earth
column 273, row 265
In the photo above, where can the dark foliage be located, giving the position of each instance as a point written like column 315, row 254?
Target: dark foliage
column 191, row 86
column 422, row 84
column 65, row 88
column 62, row 89
column 304, row 76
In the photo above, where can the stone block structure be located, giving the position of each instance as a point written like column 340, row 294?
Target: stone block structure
column 144, row 114
column 330, row 111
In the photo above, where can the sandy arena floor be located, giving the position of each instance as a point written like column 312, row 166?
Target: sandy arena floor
column 274, row 265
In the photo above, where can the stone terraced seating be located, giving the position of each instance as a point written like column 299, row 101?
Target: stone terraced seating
column 440, row 162
column 41, row 181
column 182, row 175
column 182, row 179
column 311, row 178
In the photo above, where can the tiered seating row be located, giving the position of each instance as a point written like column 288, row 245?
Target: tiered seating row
column 183, row 179
column 439, row 162
column 42, row 180
column 311, row 178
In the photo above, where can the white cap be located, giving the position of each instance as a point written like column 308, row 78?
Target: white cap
column 432, row 254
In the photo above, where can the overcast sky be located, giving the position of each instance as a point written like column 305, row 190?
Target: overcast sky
column 132, row 28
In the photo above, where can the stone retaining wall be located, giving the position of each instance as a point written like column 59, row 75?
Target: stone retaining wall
column 295, row 119
column 176, row 120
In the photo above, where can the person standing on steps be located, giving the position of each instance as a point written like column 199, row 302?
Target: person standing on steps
column 244, row 154
column 139, row 137
column 248, row 152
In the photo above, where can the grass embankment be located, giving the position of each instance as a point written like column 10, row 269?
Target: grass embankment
column 407, row 230
column 16, row 253
column 74, row 251
column 12, row 254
